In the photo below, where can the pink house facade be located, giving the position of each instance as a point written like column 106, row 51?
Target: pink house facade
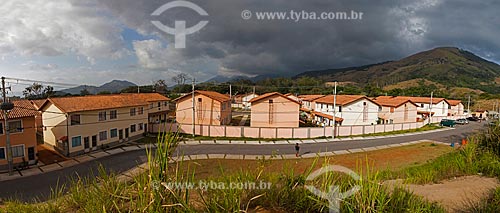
column 211, row 108
column 274, row 110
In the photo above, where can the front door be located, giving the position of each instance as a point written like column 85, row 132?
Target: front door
column 120, row 134
column 145, row 127
column 126, row 132
column 94, row 141
column 86, row 144
column 31, row 153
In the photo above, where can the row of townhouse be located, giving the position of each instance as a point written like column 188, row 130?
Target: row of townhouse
column 278, row 110
column 362, row 110
column 75, row 125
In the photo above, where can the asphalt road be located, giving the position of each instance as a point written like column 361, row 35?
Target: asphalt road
column 451, row 135
column 39, row 187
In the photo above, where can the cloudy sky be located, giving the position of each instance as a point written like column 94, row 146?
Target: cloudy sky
column 95, row 41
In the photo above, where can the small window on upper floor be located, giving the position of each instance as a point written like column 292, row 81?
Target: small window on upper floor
column 102, row 116
column 271, row 101
column 75, row 119
column 199, row 99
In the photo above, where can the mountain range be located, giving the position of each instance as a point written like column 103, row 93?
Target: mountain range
column 112, row 86
column 449, row 66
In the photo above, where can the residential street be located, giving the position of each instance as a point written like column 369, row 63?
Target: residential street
column 39, row 186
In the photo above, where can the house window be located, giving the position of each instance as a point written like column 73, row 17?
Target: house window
column 132, row 128
column 2, row 153
column 392, row 109
column 132, row 112
column 15, row 126
column 113, row 114
column 151, row 106
column 159, row 104
column 103, row 135
column 141, row 110
column 75, row 120
column 1, row 127
column 102, row 116
column 165, row 103
column 422, row 105
column 141, row 126
column 199, row 99
column 18, row 151
column 113, row 133
column 340, row 108
column 76, row 141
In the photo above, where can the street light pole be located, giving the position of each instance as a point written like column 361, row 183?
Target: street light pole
column 430, row 109
column 334, row 110
column 194, row 119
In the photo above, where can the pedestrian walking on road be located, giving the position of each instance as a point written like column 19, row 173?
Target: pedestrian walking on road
column 297, row 150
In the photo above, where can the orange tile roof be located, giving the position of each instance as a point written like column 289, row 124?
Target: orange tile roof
column 337, row 119
column 309, row 97
column 425, row 100
column 392, row 102
column 99, row 102
column 211, row 94
column 267, row 95
column 342, row 99
column 454, row 102
column 22, row 108
column 38, row 103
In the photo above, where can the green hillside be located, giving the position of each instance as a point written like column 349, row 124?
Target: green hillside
column 448, row 66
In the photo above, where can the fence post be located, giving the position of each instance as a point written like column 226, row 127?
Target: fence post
column 402, row 126
column 350, row 134
column 384, row 127
column 225, row 131
column 363, row 129
column 276, row 130
column 293, row 132
column 375, row 128
column 324, row 131
column 308, row 132
column 242, row 132
column 259, row 131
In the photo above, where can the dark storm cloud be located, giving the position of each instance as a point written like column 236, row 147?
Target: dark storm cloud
column 389, row 30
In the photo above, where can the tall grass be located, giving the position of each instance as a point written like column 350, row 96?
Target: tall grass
column 151, row 192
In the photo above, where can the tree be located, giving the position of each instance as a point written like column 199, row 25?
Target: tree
column 84, row 92
column 160, row 86
column 37, row 91
column 180, row 78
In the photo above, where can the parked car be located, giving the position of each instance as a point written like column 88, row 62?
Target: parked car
column 462, row 121
column 448, row 123
column 473, row 118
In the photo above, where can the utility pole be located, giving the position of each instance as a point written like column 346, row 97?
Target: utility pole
column 6, row 107
column 253, row 89
column 194, row 113
column 468, row 107
column 334, row 110
column 138, row 89
column 430, row 109
column 230, row 94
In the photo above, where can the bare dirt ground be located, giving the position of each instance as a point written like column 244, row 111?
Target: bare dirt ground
column 455, row 194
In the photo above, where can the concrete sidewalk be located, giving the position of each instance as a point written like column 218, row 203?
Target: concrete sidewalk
column 39, row 169
column 301, row 141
